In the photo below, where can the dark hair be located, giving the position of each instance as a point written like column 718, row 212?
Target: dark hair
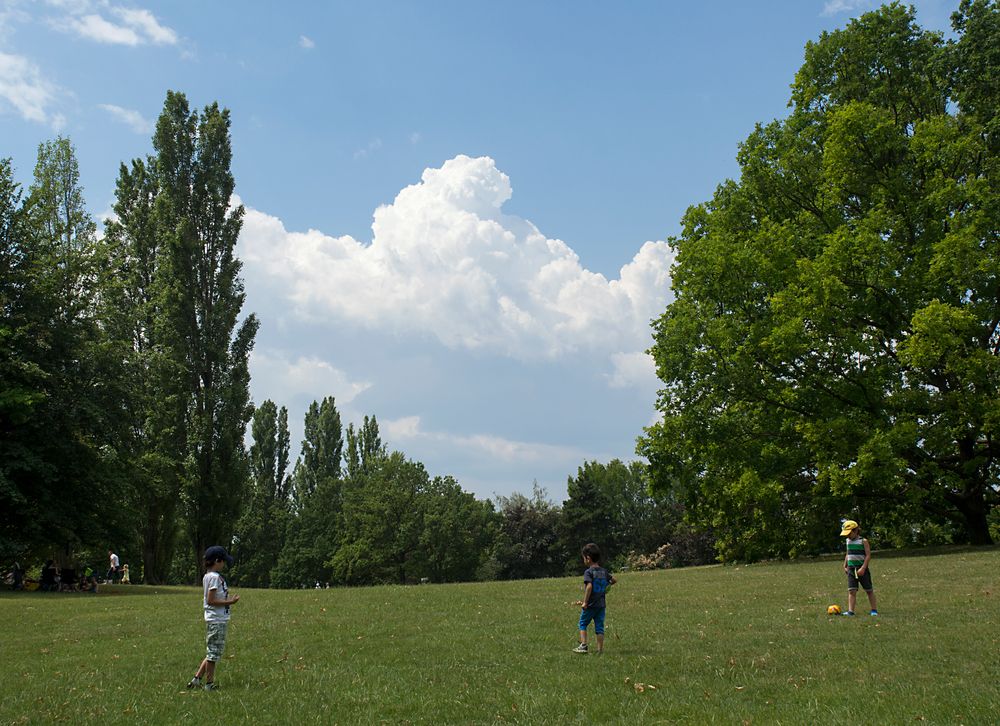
column 592, row 552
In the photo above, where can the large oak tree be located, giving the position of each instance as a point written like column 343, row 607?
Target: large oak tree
column 833, row 346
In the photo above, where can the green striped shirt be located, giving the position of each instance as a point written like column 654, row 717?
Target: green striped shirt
column 855, row 552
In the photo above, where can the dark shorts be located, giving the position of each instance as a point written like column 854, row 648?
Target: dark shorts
column 865, row 580
column 595, row 614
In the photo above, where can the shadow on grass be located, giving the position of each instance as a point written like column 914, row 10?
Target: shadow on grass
column 103, row 591
column 937, row 550
column 933, row 551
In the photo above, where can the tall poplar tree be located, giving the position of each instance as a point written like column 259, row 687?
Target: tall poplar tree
column 133, row 297
column 313, row 531
column 261, row 532
column 203, row 301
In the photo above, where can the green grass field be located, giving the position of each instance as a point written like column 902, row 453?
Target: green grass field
column 731, row 645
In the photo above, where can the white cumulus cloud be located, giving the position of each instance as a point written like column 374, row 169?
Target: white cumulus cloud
column 285, row 378
column 306, row 42
column 131, row 118
column 129, row 26
column 146, row 24
column 409, row 430
column 23, row 87
column 446, row 262
column 833, row 7
column 633, row 369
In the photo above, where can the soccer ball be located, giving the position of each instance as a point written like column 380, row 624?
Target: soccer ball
column 833, row 610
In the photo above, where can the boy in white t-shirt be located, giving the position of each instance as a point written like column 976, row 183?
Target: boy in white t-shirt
column 216, row 602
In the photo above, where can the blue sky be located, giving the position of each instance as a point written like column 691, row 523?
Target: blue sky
column 457, row 211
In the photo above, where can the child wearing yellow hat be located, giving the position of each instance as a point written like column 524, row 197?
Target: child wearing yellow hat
column 856, row 561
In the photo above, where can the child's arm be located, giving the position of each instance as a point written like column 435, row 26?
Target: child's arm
column 612, row 581
column 586, row 593
column 215, row 601
column 868, row 556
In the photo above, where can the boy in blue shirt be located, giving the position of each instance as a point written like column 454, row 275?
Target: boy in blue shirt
column 596, row 581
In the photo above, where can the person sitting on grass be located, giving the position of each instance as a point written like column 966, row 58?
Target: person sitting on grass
column 856, row 565
column 50, row 580
column 68, row 581
column 216, row 602
column 596, row 581
column 17, row 577
column 89, row 583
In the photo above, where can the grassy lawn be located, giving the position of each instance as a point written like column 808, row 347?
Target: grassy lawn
column 731, row 645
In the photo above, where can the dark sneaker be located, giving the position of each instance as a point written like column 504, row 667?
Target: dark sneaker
column 582, row 648
column 210, row 686
column 194, row 683
column 849, row 612
column 873, row 612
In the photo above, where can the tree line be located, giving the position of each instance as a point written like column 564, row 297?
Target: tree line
column 353, row 513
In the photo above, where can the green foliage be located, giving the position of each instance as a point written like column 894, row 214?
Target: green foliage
column 202, row 302
column 61, row 483
column 134, row 280
column 610, row 504
column 261, row 531
column 399, row 525
column 528, row 544
column 457, row 531
column 382, row 523
column 322, row 449
column 364, row 448
column 313, row 527
column 833, row 346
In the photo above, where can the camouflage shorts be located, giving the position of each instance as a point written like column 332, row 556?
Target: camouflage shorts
column 215, row 641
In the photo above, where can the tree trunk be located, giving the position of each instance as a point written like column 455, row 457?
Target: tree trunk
column 972, row 507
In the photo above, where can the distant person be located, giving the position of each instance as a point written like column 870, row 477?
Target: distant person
column 125, row 577
column 89, row 583
column 856, row 565
column 216, row 603
column 67, row 582
column 17, row 577
column 50, row 577
column 596, row 581
column 112, row 567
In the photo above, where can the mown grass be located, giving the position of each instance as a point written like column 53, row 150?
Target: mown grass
column 730, row 645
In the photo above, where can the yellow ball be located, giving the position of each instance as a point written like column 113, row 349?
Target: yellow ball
column 833, row 610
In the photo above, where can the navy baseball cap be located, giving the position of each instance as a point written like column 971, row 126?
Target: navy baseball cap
column 215, row 552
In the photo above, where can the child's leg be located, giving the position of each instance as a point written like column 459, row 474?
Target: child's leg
column 585, row 617
column 599, row 629
column 852, row 599
column 215, row 644
column 871, row 599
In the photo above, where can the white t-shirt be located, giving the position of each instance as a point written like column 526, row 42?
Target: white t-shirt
column 215, row 613
column 114, row 561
